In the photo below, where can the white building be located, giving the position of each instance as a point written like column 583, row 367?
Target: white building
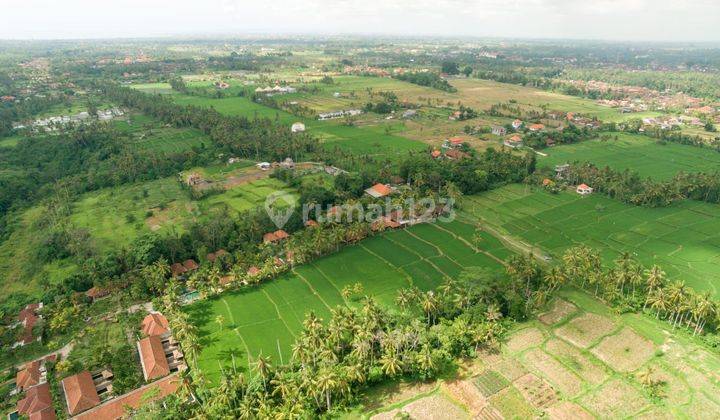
column 584, row 189
column 298, row 127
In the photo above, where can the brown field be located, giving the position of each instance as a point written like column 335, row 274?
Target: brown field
column 524, row 339
column 567, row 410
column 625, row 351
column 615, row 399
column 567, row 382
column 674, row 389
column 511, row 404
column 431, row 407
column 585, row 330
column 576, row 361
column 559, row 311
column 536, row 391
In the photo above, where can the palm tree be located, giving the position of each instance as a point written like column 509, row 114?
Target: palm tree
column 326, row 382
column 493, row 313
column 220, row 320
column 429, row 306
column 390, row 363
column 263, row 366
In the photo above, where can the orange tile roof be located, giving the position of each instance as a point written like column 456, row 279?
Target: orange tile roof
column 253, row 271
column 116, row 408
column 536, row 127
column 516, row 138
column 155, row 324
column 177, row 269
column 380, row 190
column 80, row 393
column 311, row 223
column 583, row 187
column 152, row 358
column 281, row 234
column 37, row 403
column 456, row 140
column 435, row 153
column 190, row 265
column 28, row 376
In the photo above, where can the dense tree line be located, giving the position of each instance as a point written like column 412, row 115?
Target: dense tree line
column 629, row 187
column 239, row 136
column 570, row 134
column 428, row 79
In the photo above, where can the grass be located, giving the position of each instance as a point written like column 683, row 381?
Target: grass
column 11, row 141
column 682, row 239
column 150, row 134
column 638, row 153
column 266, row 319
column 114, row 218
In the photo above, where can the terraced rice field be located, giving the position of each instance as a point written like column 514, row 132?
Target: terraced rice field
column 638, row 153
column 683, row 239
column 266, row 319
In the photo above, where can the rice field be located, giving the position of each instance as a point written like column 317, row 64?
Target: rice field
column 266, row 319
column 635, row 152
column 683, row 239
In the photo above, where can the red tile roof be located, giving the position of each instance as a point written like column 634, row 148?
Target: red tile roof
column 456, row 140
column 435, row 153
column 28, row 376
column 116, row 407
column 516, row 138
column 215, row 255
column 37, row 403
column 278, row 235
column 152, row 358
column 177, row 269
column 155, row 324
column 536, row 127
column 28, row 317
column 80, row 393
column 190, row 265
column 253, row 271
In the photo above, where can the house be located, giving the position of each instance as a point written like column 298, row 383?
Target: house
column 28, row 318
column 536, row 127
column 276, row 236
column 155, row 324
column 517, row 124
column 263, row 166
column 37, row 404
column 410, row 113
column 193, row 179
column 253, row 271
column 455, row 116
column 119, row 407
column 584, row 189
column 455, row 154
column 80, row 392
column 515, row 141
column 190, row 265
column 152, row 358
column 95, row 293
column 7, row 98
column 435, row 154
column 499, row 130
column 288, row 163
column 549, row 142
column 455, row 141
column 28, row 376
column 311, row 223
column 177, row 270
column 547, row 182
column 297, row 127
column 213, row 256
column 379, row 191
column 384, row 223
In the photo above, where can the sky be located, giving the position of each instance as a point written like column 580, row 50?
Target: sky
column 630, row 20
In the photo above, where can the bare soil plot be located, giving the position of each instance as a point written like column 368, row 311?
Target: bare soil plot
column 510, row 369
column 511, row 404
column 625, row 351
column 567, row 382
column 577, row 361
column 674, row 390
column 585, row 330
column 394, row 393
column 524, row 339
column 536, row 391
column 559, row 311
column 467, row 394
column 567, row 410
column 615, row 399
column 434, row 407
column 702, row 407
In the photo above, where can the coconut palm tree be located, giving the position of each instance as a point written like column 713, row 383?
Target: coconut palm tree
column 326, row 382
column 390, row 363
column 263, row 367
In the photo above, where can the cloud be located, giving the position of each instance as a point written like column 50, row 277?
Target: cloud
column 606, row 19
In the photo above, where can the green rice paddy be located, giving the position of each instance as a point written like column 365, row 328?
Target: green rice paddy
column 683, row 239
column 638, row 153
column 266, row 319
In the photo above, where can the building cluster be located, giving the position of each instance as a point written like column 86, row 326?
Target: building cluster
column 276, row 90
column 90, row 395
column 49, row 123
column 339, row 114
